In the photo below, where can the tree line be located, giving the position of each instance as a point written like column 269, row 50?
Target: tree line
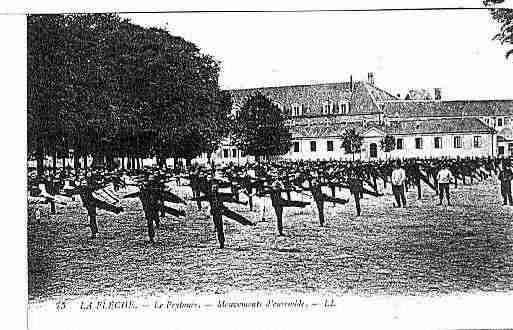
column 101, row 86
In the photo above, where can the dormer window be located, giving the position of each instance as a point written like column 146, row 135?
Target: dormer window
column 335, row 108
column 235, row 110
column 344, row 108
column 279, row 106
column 296, row 110
column 326, row 108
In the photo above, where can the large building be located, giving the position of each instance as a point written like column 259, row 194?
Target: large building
column 319, row 114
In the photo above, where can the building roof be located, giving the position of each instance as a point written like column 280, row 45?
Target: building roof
column 322, row 130
column 438, row 126
column 380, row 95
column 408, row 109
column 361, row 97
column 411, row 127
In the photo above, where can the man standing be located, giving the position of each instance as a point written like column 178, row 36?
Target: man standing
column 86, row 189
column 505, row 177
column 398, row 178
column 444, row 178
column 153, row 196
column 356, row 189
column 319, row 198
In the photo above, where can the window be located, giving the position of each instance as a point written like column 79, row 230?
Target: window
column 225, row 153
column 313, row 146
column 304, row 109
column 438, row 142
column 501, row 151
column 478, row 143
column 418, row 143
column 399, row 144
column 234, row 153
column 373, row 150
column 499, row 121
column 506, row 121
column 329, row 145
column 296, row 146
column 457, row 142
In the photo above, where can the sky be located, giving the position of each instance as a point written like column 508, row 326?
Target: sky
column 452, row 50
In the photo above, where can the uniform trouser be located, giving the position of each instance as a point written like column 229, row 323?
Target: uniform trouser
column 398, row 191
column 444, row 190
column 52, row 207
column 218, row 223
column 506, row 193
column 320, row 209
column 162, row 214
column 92, row 220
column 250, row 198
column 150, row 219
column 357, row 196
column 279, row 218
column 196, row 194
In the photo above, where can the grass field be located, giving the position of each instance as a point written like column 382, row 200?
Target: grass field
column 423, row 249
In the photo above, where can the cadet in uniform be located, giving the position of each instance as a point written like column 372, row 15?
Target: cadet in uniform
column 505, row 177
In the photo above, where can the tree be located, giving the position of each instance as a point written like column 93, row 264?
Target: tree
column 352, row 141
column 388, row 143
column 259, row 128
column 504, row 17
column 105, row 87
column 418, row 94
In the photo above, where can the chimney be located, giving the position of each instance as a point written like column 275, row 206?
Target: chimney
column 438, row 94
column 351, row 82
column 370, row 78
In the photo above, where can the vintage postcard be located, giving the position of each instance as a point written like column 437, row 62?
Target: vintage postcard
column 270, row 168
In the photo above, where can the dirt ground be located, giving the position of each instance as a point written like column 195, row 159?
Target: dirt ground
column 423, row 249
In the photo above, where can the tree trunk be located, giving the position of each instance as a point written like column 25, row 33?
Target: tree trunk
column 84, row 159
column 40, row 160
column 54, row 162
column 187, row 163
column 76, row 160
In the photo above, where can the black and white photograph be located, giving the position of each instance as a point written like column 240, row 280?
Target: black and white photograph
column 184, row 167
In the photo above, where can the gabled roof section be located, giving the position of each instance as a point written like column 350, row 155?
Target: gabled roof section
column 330, row 130
column 438, row 126
column 405, row 109
column 313, row 97
column 380, row 95
column 412, row 127
column 506, row 134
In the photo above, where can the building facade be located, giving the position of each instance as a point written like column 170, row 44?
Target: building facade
column 319, row 114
